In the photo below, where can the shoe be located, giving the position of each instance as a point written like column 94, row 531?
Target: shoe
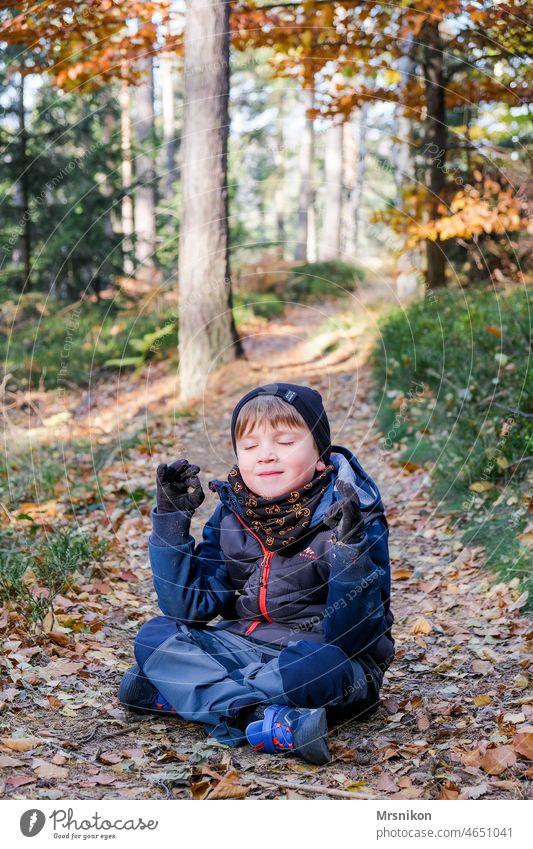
column 298, row 730
column 139, row 695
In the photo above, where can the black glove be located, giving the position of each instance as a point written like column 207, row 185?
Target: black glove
column 345, row 517
column 173, row 484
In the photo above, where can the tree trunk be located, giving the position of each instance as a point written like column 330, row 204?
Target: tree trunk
column 279, row 195
column 207, row 334
column 435, row 144
column 126, row 173
column 410, row 261
column 334, row 180
column 169, row 123
column 22, row 253
column 306, row 185
column 145, row 197
column 361, row 171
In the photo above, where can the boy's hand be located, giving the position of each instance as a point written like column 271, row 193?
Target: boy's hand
column 345, row 517
column 173, row 484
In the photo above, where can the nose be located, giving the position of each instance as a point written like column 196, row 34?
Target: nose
column 267, row 454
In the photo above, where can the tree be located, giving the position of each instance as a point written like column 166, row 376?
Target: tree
column 145, row 193
column 207, row 334
column 305, row 200
column 485, row 50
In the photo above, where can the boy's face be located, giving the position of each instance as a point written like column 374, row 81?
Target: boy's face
column 273, row 462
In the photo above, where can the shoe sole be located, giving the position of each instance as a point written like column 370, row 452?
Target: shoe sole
column 132, row 689
column 310, row 738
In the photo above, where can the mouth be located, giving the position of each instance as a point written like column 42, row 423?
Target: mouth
column 268, row 474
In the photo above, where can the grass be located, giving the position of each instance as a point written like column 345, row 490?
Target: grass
column 40, row 346
column 34, row 571
column 456, row 393
column 320, row 280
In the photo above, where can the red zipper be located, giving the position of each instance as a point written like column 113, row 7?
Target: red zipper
column 265, row 569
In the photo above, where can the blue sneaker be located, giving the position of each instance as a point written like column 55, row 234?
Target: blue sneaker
column 301, row 731
column 138, row 694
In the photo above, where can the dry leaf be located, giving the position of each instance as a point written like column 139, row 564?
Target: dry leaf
column 6, row 761
column 386, row 783
column 20, row 780
column 422, row 626
column 481, row 486
column 229, row 788
column 20, row 744
column 497, row 759
column 61, row 667
column 483, row 699
column 523, row 744
column 51, row 771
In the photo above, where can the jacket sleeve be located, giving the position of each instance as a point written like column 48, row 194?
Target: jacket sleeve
column 355, row 618
column 191, row 581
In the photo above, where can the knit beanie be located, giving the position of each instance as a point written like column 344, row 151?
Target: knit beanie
column 307, row 401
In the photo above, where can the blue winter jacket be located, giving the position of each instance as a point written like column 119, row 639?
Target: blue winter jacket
column 321, row 591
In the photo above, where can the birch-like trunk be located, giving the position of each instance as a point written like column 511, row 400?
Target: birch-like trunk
column 305, row 199
column 334, row 186
column 145, row 193
column 207, row 334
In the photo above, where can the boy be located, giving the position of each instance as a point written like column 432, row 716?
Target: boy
column 295, row 561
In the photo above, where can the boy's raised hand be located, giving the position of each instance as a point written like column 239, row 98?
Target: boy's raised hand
column 345, row 517
column 173, row 484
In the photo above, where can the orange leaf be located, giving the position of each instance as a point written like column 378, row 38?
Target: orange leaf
column 523, row 744
column 422, row 626
column 497, row 760
column 20, row 744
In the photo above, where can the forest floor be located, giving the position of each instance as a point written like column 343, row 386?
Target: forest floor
column 456, row 714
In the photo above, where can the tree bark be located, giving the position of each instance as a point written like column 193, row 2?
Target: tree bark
column 207, row 334
column 306, row 186
column 145, row 194
column 169, row 123
column 334, row 186
column 410, row 261
column 360, row 172
column 279, row 195
column 126, row 174
column 22, row 253
column 435, row 144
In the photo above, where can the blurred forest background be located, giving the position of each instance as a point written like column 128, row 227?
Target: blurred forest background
column 185, row 185
column 177, row 175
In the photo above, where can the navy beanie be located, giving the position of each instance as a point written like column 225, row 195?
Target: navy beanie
column 307, row 401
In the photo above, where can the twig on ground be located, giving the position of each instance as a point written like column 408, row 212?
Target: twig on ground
column 303, row 788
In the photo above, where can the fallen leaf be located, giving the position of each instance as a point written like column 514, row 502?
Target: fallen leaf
column 63, row 666
column 481, row 486
column 51, row 771
column 497, row 759
column 20, row 744
column 481, row 667
column 6, row 761
column 523, row 744
column 483, row 699
column 229, row 787
column 20, row 780
column 422, row 626
column 401, row 574
column 386, row 783
column 476, row 791
column 514, row 718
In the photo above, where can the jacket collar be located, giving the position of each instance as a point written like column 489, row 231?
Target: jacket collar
column 347, row 468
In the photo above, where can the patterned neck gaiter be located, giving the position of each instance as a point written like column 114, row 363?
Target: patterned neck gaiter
column 279, row 522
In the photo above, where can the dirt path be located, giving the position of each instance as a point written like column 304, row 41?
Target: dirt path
column 455, row 708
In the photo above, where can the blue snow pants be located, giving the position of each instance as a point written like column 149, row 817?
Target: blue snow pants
column 208, row 674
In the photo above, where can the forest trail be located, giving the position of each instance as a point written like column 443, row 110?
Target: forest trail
column 456, row 715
